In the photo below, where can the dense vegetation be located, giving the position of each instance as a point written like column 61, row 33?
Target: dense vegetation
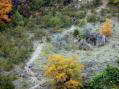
column 5, row 82
column 108, row 79
column 114, row 2
column 14, row 47
column 22, row 22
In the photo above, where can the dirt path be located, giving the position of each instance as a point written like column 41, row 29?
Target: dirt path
column 31, row 63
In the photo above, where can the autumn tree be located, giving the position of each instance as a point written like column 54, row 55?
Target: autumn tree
column 64, row 72
column 5, row 8
column 106, row 28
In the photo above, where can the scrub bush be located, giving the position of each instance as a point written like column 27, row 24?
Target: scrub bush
column 105, row 11
column 64, row 72
column 6, row 82
column 97, row 2
column 106, row 28
column 117, row 60
column 76, row 33
column 36, row 4
column 114, row 2
column 54, row 21
column 15, row 47
column 93, row 18
column 81, row 22
column 17, row 19
column 108, row 79
column 79, row 33
column 5, row 8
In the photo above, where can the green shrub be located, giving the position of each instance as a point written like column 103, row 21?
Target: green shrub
column 108, row 79
column 3, row 26
column 118, row 60
column 36, row 4
column 15, row 47
column 82, row 14
column 78, row 33
column 93, row 18
column 37, row 26
column 114, row 2
column 17, row 19
column 6, row 82
column 54, row 18
column 5, row 64
column 67, row 10
column 81, row 22
column 66, row 21
column 55, row 21
column 105, row 11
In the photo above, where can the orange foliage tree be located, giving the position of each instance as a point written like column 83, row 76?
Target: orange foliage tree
column 5, row 8
column 64, row 72
column 106, row 28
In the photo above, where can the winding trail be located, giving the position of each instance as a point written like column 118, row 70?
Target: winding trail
column 36, row 55
column 94, row 57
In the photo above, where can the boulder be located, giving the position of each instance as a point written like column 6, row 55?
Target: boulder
column 91, row 38
column 84, row 45
column 101, row 40
column 96, row 39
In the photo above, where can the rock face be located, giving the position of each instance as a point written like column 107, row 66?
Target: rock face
column 101, row 40
column 96, row 39
column 91, row 40
column 90, row 36
column 84, row 45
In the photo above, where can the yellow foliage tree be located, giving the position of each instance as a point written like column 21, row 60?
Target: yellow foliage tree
column 5, row 8
column 106, row 28
column 65, row 72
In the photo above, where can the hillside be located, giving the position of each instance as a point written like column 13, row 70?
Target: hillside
column 59, row 44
